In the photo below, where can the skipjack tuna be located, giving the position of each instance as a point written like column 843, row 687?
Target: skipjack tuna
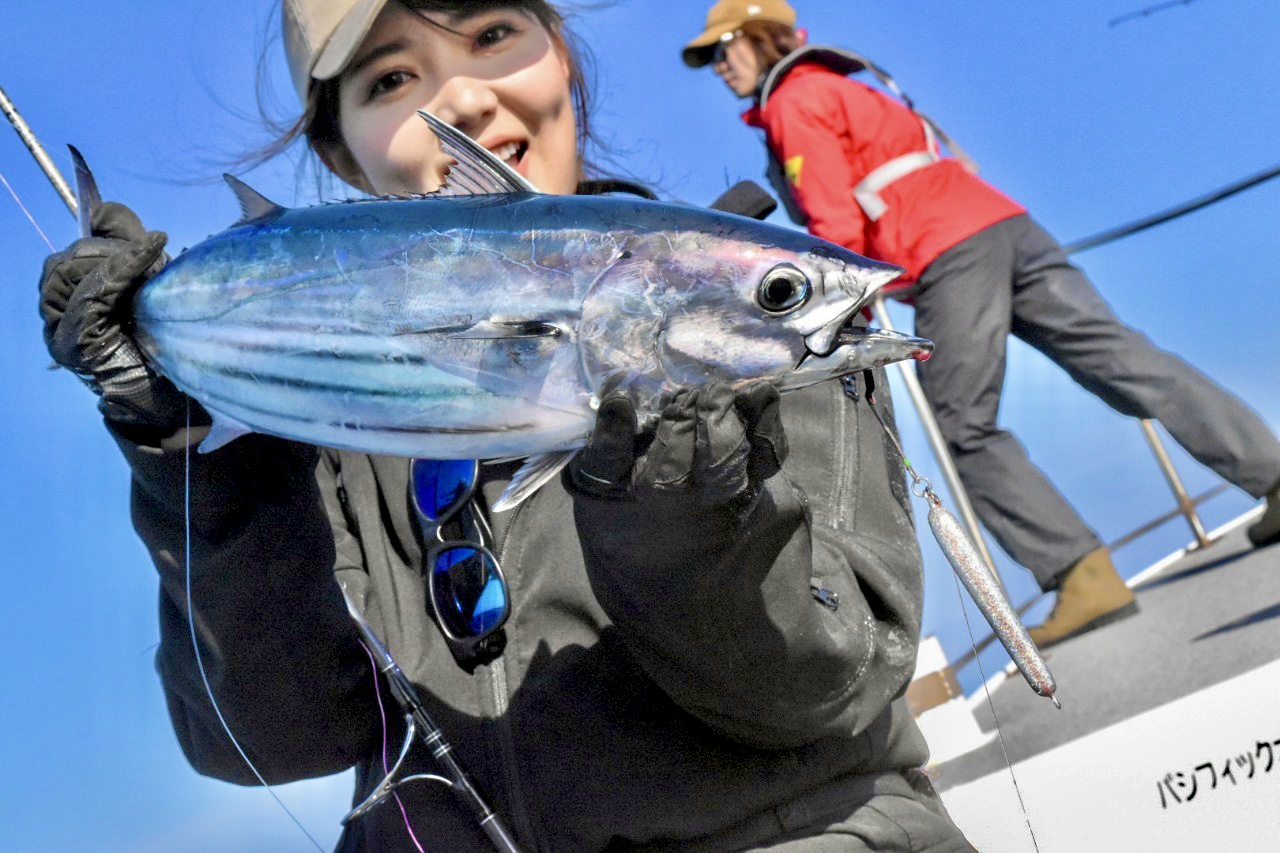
column 480, row 322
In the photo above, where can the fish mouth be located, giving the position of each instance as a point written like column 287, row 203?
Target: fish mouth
column 854, row 350
column 860, row 287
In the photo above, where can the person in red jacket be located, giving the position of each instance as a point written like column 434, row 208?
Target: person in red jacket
column 863, row 169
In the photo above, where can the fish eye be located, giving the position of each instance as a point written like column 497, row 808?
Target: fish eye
column 783, row 288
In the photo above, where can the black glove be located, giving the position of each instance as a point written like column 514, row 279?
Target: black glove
column 86, row 296
column 711, row 444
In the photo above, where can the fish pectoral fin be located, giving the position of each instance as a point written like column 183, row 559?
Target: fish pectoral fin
column 253, row 204
column 536, row 471
column 224, row 431
column 507, row 328
column 477, row 171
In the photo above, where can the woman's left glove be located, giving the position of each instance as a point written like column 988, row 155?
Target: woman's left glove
column 85, row 297
column 713, row 446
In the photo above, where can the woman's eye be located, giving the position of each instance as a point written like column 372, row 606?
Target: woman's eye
column 494, row 34
column 387, row 83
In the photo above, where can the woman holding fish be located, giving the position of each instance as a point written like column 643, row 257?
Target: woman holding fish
column 696, row 639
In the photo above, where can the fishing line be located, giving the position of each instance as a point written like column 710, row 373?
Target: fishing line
column 991, row 704
column 195, row 643
column 30, row 218
column 386, row 765
column 928, row 494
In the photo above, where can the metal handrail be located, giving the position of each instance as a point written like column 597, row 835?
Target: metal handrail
column 1186, row 506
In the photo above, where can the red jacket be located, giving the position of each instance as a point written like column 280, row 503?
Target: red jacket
column 829, row 132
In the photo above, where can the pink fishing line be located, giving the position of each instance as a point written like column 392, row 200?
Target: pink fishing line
column 386, row 768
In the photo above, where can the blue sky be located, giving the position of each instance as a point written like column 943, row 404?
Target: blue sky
column 1086, row 124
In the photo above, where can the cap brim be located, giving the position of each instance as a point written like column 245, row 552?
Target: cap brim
column 698, row 57
column 346, row 39
column 698, row 52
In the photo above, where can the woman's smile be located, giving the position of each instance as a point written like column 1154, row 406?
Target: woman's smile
column 497, row 76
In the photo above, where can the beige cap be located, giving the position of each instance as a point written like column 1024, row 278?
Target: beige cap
column 321, row 36
column 726, row 16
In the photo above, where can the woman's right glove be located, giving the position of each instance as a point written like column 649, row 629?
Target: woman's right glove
column 86, row 297
column 713, row 448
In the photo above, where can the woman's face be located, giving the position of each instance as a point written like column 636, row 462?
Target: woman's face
column 503, row 81
column 738, row 65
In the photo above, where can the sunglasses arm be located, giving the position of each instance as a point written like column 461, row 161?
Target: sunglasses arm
column 421, row 724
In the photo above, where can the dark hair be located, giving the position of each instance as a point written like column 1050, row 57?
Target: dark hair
column 770, row 40
column 318, row 123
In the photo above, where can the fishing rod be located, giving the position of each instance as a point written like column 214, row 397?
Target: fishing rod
column 37, row 151
column 419, row 724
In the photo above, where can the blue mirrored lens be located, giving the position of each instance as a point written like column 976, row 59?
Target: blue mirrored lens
column 439, row 485
column 469, row 594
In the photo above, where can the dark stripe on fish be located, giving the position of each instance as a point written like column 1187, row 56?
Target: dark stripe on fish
column 297, row 382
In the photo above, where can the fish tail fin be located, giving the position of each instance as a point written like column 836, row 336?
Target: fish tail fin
column 87, row 196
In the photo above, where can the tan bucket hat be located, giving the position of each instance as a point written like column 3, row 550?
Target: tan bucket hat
column 321, row 36
column 725, row 17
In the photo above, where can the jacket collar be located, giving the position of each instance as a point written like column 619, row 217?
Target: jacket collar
column 755, row 115
column 839, row 60
column 803, row 60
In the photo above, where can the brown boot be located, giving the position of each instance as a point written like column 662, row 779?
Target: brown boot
column 1091, row 594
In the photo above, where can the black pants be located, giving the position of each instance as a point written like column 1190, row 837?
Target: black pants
column 1013, row 278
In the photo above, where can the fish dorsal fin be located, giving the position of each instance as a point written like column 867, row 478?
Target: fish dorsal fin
column 536, row 471
column 88, row 199
column 477, row 171
column 253, row 204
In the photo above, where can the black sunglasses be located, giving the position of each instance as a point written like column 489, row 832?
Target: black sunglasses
column 720, row 51
column 465, row 585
